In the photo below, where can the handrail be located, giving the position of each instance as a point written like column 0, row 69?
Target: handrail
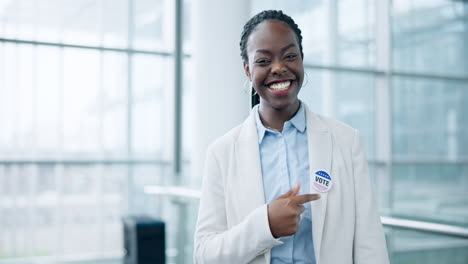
column 423, row 226
column 456, row 231
column 114, row 256
column 174, row 191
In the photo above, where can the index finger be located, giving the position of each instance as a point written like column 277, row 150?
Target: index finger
column 301, row 199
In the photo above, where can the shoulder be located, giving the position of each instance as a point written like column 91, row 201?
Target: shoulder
column 336, row 126
column 246, row 131
column 324, row 123
column 341, row 132
column 226, row 140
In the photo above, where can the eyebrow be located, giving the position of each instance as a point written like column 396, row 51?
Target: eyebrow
column 282, row 49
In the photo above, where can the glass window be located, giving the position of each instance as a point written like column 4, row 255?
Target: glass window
column 312, row 90
column 406, row 246
column 153, row 28
column 312, row 19
column 81, row 76
column 25, row 17
column 114, row 104
column 348, row 97
column 25, row 98
column 150, row 104
column 434, row 192
column 355, row 38
column 429, row 128
column 8, row 98
column 415, row 101
column 83, row 129
column 48, row 95
column 81, row 22
column 114, row 17
column 337, row 32
column 430, row 36
column 48, row 19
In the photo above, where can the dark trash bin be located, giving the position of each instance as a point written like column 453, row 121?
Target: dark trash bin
column 144, row 240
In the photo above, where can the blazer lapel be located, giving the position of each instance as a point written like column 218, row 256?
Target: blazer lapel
column 248, row 165
column 320, row 159
column 248, row 157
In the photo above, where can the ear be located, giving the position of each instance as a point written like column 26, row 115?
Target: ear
column 247, row 70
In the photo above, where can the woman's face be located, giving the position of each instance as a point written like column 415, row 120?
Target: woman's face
column 275, row 64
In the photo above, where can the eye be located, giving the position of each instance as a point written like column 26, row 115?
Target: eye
column 262, row 61
column 290, row 57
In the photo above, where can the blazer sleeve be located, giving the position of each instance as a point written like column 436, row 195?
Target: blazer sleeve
column 214, row 241
column 369, row 238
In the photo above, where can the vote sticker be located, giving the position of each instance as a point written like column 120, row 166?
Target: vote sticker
column 322, row 181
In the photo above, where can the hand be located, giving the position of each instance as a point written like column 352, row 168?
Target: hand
column 285, row 211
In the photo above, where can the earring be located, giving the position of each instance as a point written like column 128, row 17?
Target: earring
column 246, row 85
column 306, row 77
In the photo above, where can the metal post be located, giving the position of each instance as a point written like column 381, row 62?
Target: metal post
column 382, row 100
column 99, row 209
column 178, row 57
column 131, row 5
column 329, row 77
column 178, row 78
column 383, row 108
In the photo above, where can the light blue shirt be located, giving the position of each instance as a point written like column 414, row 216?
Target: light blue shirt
column 285, row 162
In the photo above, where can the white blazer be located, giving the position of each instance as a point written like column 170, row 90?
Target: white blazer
column 232, row 224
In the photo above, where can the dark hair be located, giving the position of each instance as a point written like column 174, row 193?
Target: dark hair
column 252, row 24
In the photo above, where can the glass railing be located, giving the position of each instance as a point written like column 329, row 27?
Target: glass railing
column 408, row 241
column 406, row 246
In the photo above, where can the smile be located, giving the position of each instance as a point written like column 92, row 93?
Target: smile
column 280, row 86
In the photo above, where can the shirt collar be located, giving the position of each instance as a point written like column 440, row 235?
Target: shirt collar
column 298, row 121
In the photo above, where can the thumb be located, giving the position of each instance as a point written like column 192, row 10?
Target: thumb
column 293, row 192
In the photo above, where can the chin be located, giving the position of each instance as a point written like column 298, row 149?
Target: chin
column 283, row 104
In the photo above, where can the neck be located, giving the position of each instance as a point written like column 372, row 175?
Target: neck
column 275, row 118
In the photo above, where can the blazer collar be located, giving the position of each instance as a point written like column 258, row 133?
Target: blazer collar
column 248, row 130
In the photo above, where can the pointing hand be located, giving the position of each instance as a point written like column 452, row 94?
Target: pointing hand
column 284, row 212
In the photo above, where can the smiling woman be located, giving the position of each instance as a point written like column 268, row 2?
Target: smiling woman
column 287, row 185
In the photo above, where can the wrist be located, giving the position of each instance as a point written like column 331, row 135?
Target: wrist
column 269, row 223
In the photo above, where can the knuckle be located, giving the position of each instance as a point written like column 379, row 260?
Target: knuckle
column 292, row 214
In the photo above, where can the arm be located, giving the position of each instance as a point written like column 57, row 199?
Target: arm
column 369, row 239
column 214, row 242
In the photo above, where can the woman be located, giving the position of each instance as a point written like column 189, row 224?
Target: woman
column 287, row 185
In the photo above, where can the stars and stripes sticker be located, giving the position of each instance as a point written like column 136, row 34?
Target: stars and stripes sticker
column 322, row 181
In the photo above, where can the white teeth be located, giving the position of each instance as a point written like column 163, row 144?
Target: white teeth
column 280, row 86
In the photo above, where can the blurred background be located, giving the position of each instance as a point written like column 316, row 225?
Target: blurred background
column 107, row 106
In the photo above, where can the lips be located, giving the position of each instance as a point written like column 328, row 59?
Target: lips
column 280, row 87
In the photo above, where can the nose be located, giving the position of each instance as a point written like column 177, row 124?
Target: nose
column 278, row 67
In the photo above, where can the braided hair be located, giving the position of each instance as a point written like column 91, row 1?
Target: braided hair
column 252, row 24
